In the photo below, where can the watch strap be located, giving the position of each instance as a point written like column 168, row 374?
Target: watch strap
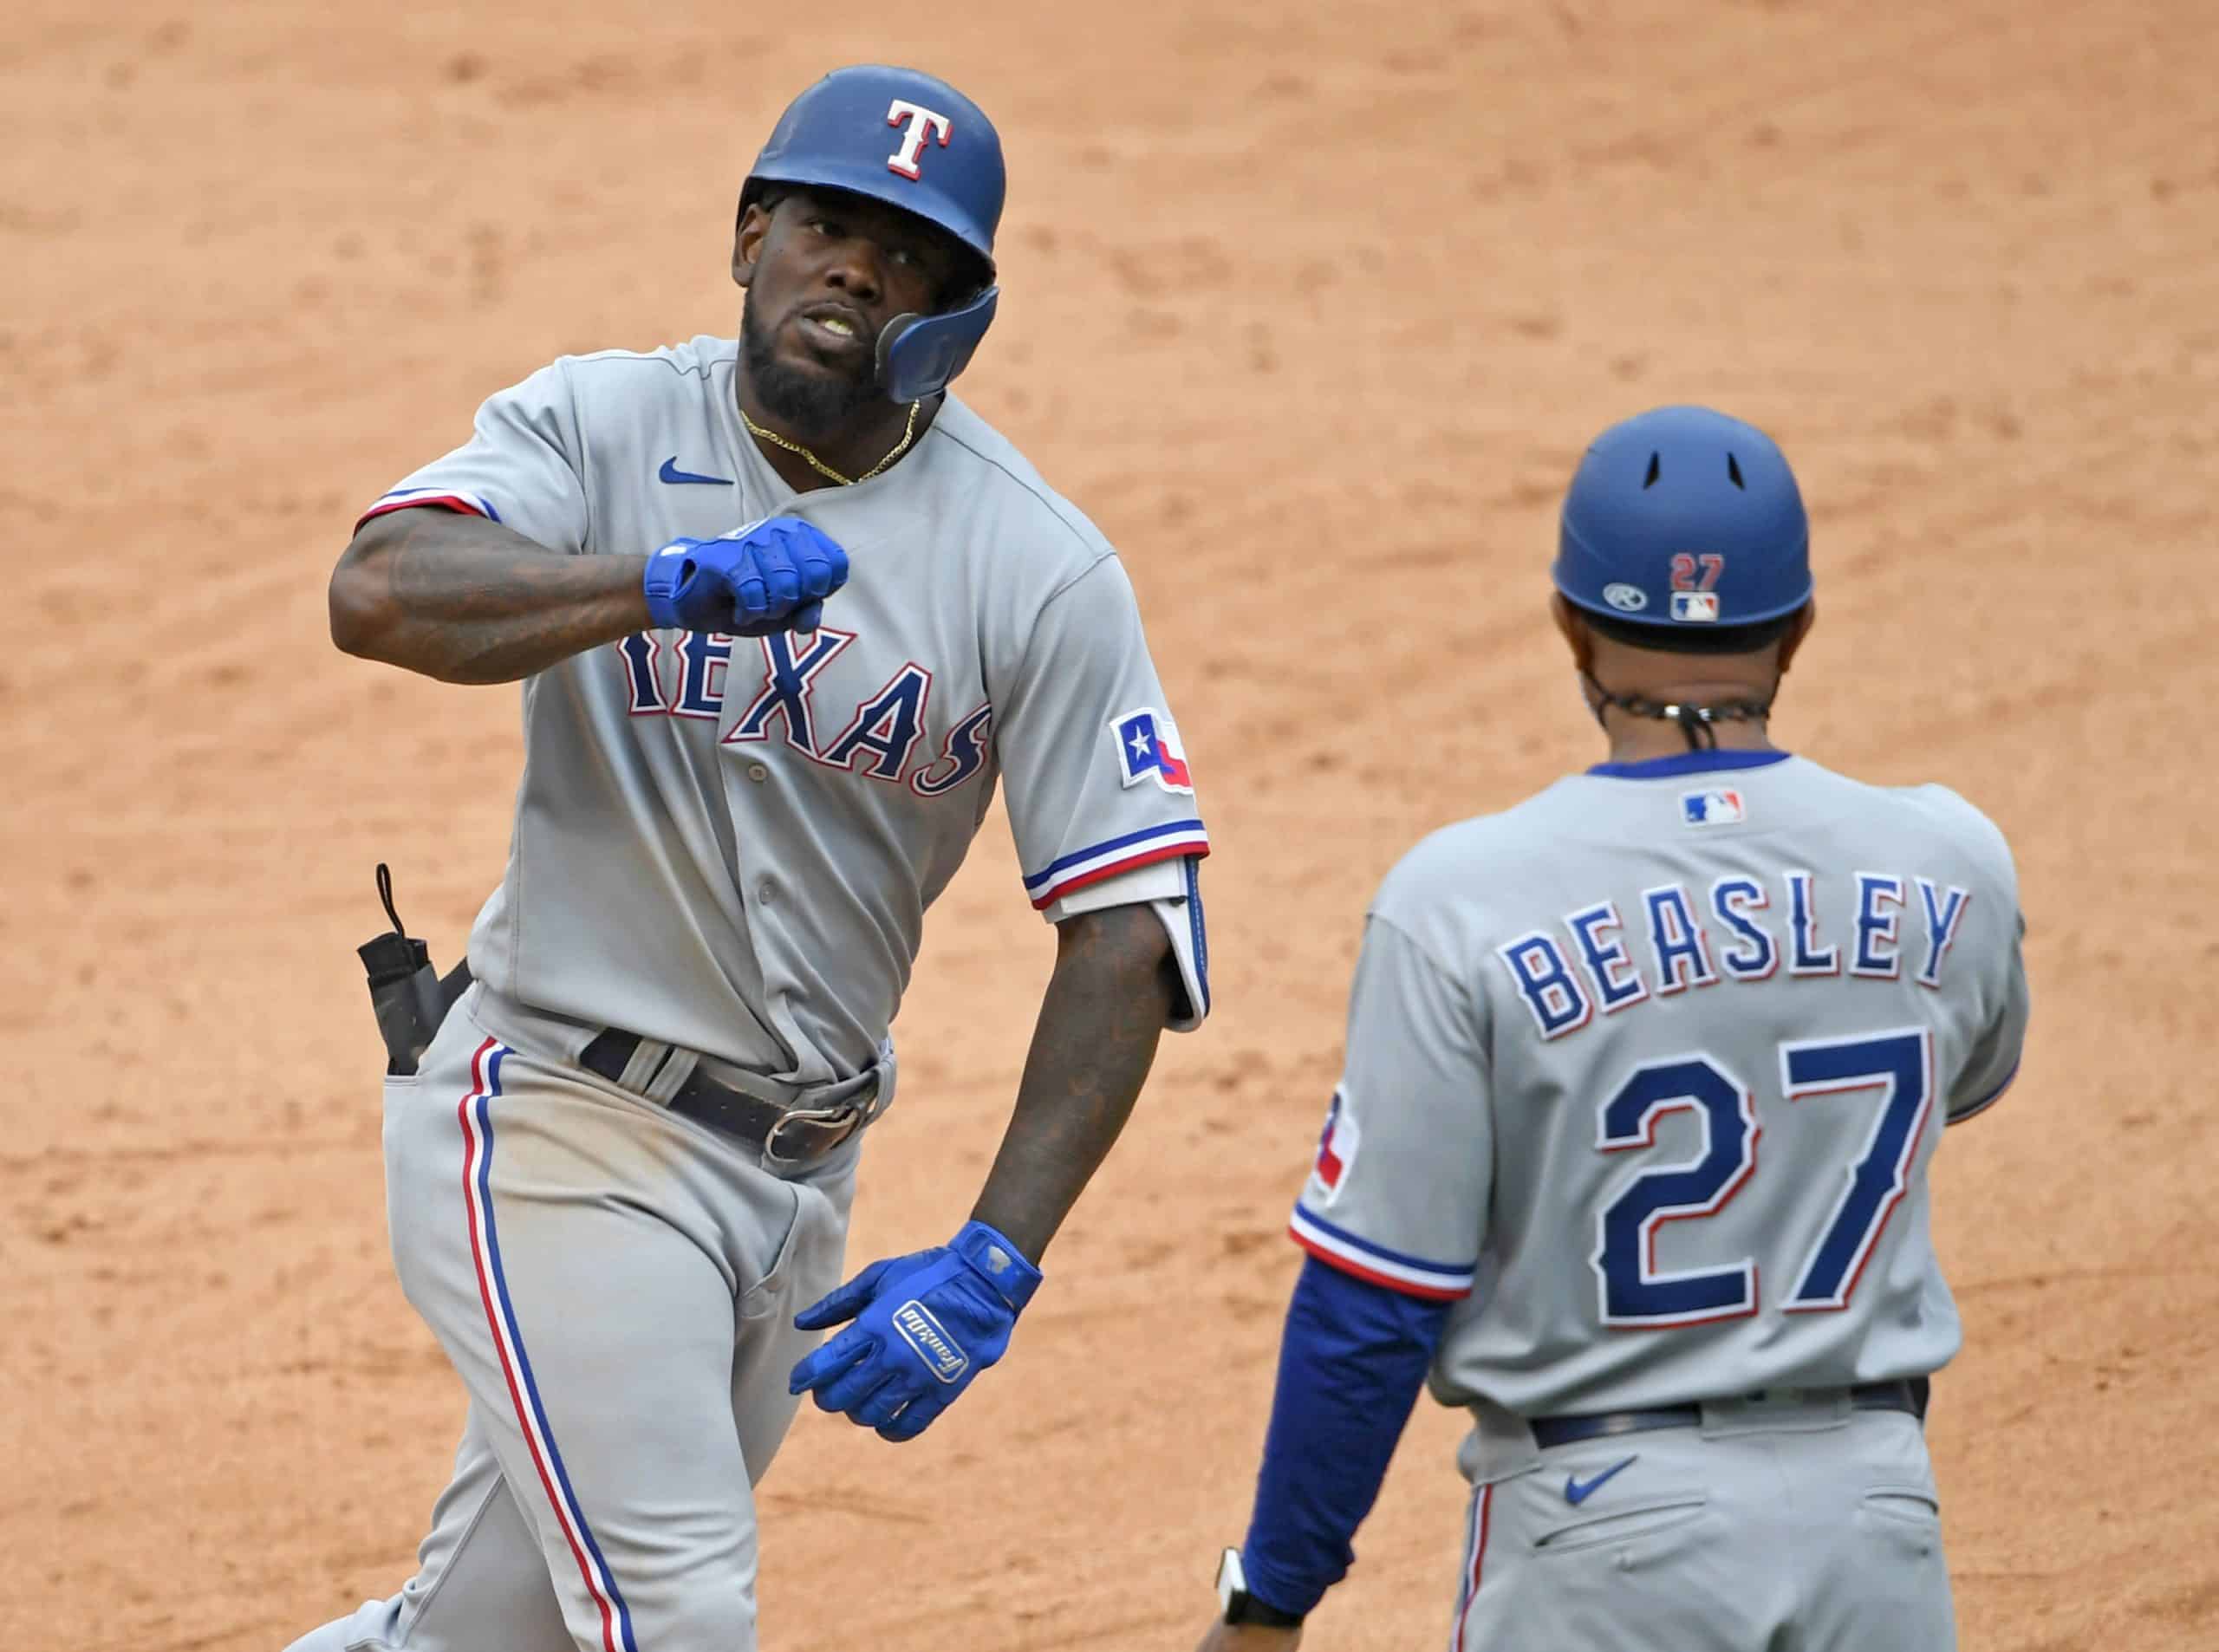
column 1241, row 1607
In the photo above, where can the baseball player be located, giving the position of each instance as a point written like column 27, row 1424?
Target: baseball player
column 785, row 612
column 1629, row 1153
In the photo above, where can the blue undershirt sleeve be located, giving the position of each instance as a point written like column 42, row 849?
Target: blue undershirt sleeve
column 1351, row 1362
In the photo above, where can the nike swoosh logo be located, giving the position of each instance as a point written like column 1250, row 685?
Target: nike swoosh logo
column 670, row 472
column 1576, row 1493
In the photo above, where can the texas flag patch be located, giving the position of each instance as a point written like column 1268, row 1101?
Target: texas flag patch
column 1713, row 807
column 1149, row 749
column 1335, row 1145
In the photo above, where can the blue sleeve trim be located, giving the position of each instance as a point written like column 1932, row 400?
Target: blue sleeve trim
column 1357, row 1242
column 1188, row 828
column 1351, row 1362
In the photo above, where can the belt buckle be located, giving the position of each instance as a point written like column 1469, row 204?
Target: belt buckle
column 843, row 1114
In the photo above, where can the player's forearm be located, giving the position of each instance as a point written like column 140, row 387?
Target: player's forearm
column 468, row 600
column 1093, row 1045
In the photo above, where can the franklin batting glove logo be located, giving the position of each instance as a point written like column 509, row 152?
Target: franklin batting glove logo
column 930, row 1341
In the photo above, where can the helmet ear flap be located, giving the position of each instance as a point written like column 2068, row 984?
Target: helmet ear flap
column 917, row 354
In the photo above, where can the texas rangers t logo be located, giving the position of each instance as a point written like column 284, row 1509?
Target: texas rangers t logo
column 923, row 124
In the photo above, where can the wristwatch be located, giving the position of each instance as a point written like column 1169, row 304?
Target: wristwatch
column 1240, row 1606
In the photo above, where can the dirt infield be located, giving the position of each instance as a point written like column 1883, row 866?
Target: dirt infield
column 1310, row 307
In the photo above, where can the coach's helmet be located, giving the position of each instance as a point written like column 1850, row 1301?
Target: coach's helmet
column 1686, row 529
column 912, row 142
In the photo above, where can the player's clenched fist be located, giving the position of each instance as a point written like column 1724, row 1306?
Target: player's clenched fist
column 925, row 1325
column 772, row 576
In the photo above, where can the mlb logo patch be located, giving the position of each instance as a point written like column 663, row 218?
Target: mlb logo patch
column 1713, row 807
column 1699, row 608
column 1149, row 749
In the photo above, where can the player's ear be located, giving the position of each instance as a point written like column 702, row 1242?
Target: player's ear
column 753, row 224
column 1792, row 639
column 1574, row 630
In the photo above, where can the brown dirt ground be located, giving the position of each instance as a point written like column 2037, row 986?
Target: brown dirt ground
column 1311, row 307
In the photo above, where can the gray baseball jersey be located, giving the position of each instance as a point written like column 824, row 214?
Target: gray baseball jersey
column 1648, row 1071
column 729, row 844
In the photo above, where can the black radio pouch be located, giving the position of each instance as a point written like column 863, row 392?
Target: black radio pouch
column 409, row 998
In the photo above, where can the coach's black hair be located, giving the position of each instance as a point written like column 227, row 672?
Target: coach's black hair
column 1692, row 639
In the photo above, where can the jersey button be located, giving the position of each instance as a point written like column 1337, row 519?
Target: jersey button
column 758, row 773
column 765, row 891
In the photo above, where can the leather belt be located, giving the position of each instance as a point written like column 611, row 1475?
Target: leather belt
column 786, row 1135
column 1907, row 1395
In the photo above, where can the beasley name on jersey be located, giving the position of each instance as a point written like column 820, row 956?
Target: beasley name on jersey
column 1598, row 960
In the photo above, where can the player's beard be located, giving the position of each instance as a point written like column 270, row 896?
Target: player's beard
column 806, row 401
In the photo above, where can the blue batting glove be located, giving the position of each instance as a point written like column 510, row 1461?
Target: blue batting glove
column 772, row 576
column 924, row 1324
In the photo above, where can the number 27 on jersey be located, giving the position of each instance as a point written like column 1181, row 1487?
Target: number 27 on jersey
column 1890, row 1073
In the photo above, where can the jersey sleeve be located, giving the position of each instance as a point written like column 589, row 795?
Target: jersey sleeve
column 1994, row 1060
column 1097, row 778
column 522, row 467
column 1399, row 1191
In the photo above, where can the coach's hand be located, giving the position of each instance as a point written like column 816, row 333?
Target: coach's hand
column 924, row 1324
column 773, row 576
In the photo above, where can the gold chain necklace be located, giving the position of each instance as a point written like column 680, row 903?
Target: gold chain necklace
column 908, row 435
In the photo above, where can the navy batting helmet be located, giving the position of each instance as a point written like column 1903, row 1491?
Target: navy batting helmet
column 1681, row 520
column 915, row 142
